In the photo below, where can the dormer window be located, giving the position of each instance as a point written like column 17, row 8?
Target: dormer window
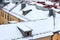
column 25, row 31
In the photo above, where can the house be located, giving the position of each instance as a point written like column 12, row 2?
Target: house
column 16, row 13
column 30, row 30
column 30, row 12
column 5, row 16
column 27, row 22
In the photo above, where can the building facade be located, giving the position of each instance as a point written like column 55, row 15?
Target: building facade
column 5, row 17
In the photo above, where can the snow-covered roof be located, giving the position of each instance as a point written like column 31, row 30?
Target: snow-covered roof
column 40, row 28
column 18, row 16
column 9, row 32
column 9, row 6
column 49, row 2
column 33, row 3
column 33, row 15
column 57, row 23
column 41, row 5
column 37, row 36
column 24, row 28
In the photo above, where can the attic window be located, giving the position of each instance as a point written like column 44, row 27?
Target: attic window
column 26, row 12
column 25, row 31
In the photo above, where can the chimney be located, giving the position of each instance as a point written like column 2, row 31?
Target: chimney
column 26, row 12
column 23, row 6
column 51, row 13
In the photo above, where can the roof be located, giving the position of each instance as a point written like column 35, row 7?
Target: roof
column 40, row 28
column 38, row 25
column 17, row 16
column 9, row 32
column 9, row 6
column 37, row 36
column 24, row 28
column 33, row 15
column 57, row 22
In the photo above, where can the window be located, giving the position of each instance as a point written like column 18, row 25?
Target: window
column 2, row 14
column 10, row 19
column 28, row 33
column 5, row 15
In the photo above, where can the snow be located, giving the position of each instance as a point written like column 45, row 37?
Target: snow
column 49, row 3
column 41, row 5
column 42, row 35
column 8, row 32
column 18, row 16
column 9, row 6
column 30, row 7
column 40, row 28
column 33, row 15
column 24, row 28
column 33, row 3
column 11, row 22
column 57, row 22
column 57, row 4
column 37, row 36
column 40, row 24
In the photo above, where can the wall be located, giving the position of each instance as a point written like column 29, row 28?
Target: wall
column 45, row 38
column 5, row 17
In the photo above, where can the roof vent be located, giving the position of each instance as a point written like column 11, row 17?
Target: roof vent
column 25, row 31
column 51, row 13
column 26, row 12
